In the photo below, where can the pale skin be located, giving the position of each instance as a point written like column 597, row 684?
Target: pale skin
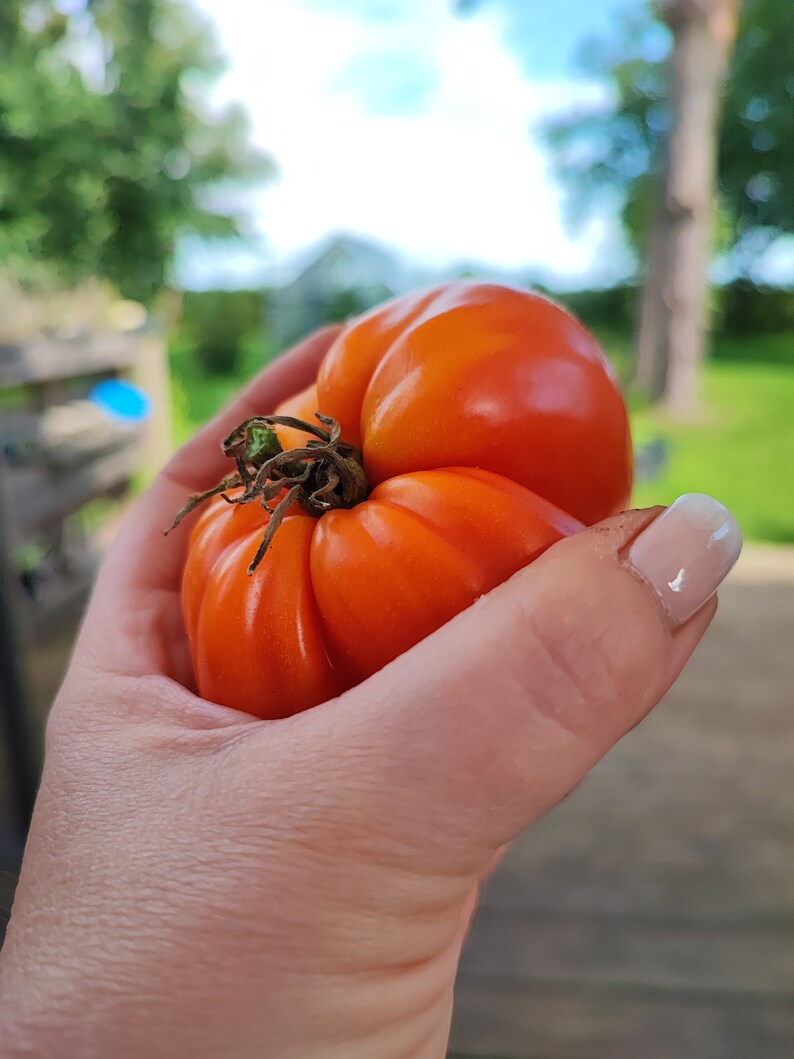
column 200, row 883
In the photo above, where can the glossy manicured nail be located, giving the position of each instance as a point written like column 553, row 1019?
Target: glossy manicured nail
column 686, row 553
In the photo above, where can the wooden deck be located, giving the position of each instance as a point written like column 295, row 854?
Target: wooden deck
column 651, row 915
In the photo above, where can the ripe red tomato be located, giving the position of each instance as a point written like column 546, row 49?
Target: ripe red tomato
column 490, row 426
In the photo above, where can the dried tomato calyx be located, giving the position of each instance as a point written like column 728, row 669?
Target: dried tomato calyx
column 326, row 473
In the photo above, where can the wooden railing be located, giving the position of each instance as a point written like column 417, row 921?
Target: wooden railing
column 59, row 455
column 49, row 360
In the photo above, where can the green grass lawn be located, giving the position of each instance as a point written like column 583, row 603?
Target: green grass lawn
column 741, row 449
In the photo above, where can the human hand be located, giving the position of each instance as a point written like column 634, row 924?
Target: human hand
column 201, row 883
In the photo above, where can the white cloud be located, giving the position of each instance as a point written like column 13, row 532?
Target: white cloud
column 462, row 179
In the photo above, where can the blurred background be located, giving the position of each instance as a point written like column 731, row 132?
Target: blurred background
column 187, row 187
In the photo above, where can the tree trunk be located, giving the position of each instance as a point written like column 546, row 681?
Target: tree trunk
column 651, row 367
column 672, row 327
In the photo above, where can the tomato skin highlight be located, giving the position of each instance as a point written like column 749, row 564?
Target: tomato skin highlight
column 491, row 426
column 484, row 376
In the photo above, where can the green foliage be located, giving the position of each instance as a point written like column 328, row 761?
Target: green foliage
column 201, row 385
column 756, row 146
column 612, row 308
column 614, row 146
column 106, row 152
column 748, row 322
column 756, row 348
column 613, row 151
column 344, row 304
column 197, row 395
column 748, row 311
column 741, row 452
column 219, row 325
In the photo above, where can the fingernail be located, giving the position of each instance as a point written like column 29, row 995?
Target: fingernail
column 686, row 553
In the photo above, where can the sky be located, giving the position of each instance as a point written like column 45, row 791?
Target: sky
column 405, row 123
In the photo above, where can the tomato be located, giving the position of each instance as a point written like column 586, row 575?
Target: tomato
column 489, row 424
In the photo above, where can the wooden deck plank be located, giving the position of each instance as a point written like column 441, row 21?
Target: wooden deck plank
column 48, row 359
column 741, row 893
column 633, row 952
column 40, row 497
column 508, row 1019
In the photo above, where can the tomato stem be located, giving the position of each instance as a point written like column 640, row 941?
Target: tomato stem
column 326, row 473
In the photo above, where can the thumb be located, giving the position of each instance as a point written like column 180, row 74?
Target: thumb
column 454, row 748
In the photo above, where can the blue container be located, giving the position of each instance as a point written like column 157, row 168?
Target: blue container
column 121, row 400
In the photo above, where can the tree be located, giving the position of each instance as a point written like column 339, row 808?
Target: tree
column 670, row 342
column 618, row 148
column 107, row 152
column 756, row 142
column 615, row 146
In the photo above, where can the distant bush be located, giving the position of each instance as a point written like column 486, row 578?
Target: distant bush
column 748, row 323
column 751, row 310
column 754, row 349
column 613, row 308
column 216, row 325
column 348, row 302
column 753, row 324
